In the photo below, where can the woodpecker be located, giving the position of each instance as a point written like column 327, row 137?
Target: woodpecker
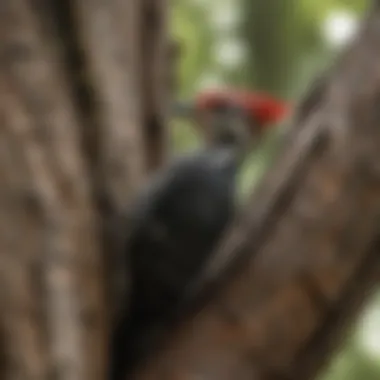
column 178, row 218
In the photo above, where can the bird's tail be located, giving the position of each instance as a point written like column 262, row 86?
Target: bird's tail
column 123, row 348
column 132, row 341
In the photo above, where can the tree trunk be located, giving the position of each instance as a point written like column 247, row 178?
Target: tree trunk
column 156, row 60
column 270, row 29
column 73, row 115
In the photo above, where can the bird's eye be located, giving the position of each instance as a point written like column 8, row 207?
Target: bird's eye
column 219, row 107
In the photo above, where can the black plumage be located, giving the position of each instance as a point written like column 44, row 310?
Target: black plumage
column 175, row 223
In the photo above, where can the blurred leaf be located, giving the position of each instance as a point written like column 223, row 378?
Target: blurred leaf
column 190, row 28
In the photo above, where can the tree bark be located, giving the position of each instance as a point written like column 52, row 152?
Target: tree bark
column 155, row 78
column 299, row 263
column 72, row 114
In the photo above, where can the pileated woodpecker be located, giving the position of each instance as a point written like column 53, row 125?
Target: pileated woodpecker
column 180, row 215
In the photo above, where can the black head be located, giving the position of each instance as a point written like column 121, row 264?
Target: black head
column 228, row 124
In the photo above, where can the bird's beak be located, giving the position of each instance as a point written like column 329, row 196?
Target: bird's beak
column 184, row 110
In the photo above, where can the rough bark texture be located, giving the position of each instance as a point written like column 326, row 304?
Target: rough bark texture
column 300, row 262
column 54, row 319
column 155, row 57
column 71, row 155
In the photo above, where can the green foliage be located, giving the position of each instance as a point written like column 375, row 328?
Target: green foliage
column 352, row 364
column 183, row 136
column 257, row 163
column 189, row 26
